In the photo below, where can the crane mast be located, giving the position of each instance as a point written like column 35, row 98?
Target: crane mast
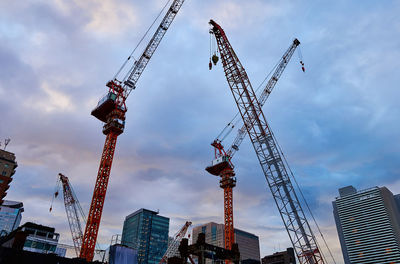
column 264, row 144
column 111, row 110
column 222, row 165
column 172, row 249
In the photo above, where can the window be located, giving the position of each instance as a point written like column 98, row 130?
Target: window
column 28, row 243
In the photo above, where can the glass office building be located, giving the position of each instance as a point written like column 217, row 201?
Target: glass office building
column 368, row 225
column 147, row 232
column 10, row 216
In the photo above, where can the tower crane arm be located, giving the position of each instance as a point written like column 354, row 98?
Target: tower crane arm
column 265, row 93
column 139, row 66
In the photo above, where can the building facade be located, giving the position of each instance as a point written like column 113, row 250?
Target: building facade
column 284, row 257
column 249, row 245
column 40, row 239
column 10, row 216
column 147, row 232
column 368, row 225
column 7, row 170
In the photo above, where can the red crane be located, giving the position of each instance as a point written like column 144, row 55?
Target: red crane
column 265, row 146
column 222, row 165
column 111, row 110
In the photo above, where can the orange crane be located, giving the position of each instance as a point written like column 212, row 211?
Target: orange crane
column 222, row 165
column 268, row 154
column 111, row 110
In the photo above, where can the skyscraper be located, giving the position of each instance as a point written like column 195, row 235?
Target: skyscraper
column 147, row 232
column 368, row 225
column 10, row 216
column 249, row 245
column 7, row 170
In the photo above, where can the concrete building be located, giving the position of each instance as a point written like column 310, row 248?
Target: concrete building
column 368, row 225
column 249, row 245
column 10, row 216
column 40, row 239
column 7, row 170
column 284, row 257
column 147, row 232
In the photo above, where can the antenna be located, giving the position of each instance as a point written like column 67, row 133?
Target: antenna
column 6, row 142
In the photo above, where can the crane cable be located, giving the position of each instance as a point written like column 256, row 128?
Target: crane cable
column 140, row 42
column 232, row 124
column 55, row 194
column 304, row 199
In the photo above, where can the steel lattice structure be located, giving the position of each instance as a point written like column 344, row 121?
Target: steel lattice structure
column 265, row 93
column 225, row 168
column 72, row 208
column 172, row 249
column 296, row 224
column 111, row 110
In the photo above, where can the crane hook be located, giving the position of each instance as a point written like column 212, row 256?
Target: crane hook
column 302, row 66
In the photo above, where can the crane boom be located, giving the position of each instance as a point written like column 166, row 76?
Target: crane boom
column 111, row 110
column 139, row 66
column 265, row 93
column 296, row 224
column 172, row 249
column 72, row 207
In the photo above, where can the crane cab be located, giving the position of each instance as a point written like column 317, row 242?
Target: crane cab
column 218, row 165
column 105, row 106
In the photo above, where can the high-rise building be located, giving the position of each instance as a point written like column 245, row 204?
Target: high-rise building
column 147, row 232
column 10, row 216
column 368, row 225
column 7, row 170
column 284, row 257
column 249, row 245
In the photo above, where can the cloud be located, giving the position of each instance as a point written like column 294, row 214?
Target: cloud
column 337, row 123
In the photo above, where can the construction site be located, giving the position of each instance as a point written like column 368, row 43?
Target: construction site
column 165, row 234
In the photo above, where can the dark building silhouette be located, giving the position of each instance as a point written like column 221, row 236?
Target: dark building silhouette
column 249, row 245
column 7, row 170
column 284, row 257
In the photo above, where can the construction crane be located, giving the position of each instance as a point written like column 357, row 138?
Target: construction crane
column 173, row 247
column 72, row 208
column 265, row 146
column 222, row 165
column 111, row 110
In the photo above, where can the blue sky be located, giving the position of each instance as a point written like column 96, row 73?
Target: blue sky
column 338, row 123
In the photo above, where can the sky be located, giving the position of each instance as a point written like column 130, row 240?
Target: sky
column 337, row 123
